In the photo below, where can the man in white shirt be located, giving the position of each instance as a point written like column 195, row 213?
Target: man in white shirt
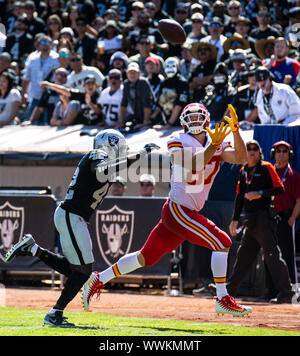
column 36, row 70
column 276, row 103
column 110, row 99
column 215, row 37
column 80, row 72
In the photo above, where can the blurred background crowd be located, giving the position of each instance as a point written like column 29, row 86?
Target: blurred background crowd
column 105, row 63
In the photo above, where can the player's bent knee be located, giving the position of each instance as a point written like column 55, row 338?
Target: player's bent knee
column 84, row 269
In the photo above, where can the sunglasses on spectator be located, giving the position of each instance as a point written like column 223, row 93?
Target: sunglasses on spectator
column 45, row 42
column 263, row 15
column 234, row 8
column 53, row 23
column 203, row 50
column 235, row 44
column 114, row 77
column 181, row 12
column 281, row 151
column 137, row 9
column 80, row 24
column 143, row 184
column 66, row 55
column 75, row 59
column 196, row 21
column 215, row 25
column 252, row 148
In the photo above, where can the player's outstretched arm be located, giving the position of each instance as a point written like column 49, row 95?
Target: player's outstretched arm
column 239, row 154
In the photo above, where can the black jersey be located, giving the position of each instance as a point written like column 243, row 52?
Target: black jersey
column 87, row 190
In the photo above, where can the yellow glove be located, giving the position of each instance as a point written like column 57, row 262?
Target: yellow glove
column 219, row 134
column 233, row 119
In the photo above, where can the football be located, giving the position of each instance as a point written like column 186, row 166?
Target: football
column 172, row 31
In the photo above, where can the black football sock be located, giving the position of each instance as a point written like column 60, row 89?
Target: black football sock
column 57, row 262
column 72, row 287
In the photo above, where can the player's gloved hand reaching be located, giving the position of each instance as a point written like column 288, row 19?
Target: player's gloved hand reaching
column 220, row 132
column 233, row 120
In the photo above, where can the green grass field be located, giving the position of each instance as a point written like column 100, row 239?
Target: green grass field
column 29, row 322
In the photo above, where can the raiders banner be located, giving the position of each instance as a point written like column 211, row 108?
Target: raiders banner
column 21, row 215
column 120, row 226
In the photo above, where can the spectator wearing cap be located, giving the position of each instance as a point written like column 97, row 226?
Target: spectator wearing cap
column 284, row 68
column 181, row 15
column 137, row 100
column 109, row 41
column 5, row 61
column 110, row 99
column 264, row 28
column 67, row 33
column 19, row 41
column 35, row 23
column 152, row 67
column 10, row 100
column 17, row 9
column 220, row 94
column 197, row 32
column 276, row 103
column 144, row 51
column 215, row 37
column 237, row 57
column 202, row 74
column 242, row 27
column 80, row 71
column 146, row 185
column 244, row 100
column 287, row 204
column 118, row 188
column 85, row 44
column 48, row 100
column 218, row 9
column 137, row 7
column 36, row 70
column 234, row 10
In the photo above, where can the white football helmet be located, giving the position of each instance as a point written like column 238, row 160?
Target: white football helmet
column 194, row 118
column 112, row 142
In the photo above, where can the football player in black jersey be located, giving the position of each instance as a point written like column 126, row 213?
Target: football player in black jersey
column 89, row 186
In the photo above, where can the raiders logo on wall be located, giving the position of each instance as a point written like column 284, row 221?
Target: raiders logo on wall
column 114, row 230
column 11, row 226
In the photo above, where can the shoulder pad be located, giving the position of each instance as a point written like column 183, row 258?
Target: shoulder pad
column 96, row 155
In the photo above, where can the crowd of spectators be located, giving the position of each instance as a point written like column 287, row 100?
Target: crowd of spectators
column 111, row 66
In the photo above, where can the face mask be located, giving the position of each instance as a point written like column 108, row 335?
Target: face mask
column 171, row 69
column 219, row 79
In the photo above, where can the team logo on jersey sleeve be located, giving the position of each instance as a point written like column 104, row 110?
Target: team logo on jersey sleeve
column 11, row 226
column 114, row 230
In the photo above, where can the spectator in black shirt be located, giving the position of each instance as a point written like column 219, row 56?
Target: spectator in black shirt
column 85, row 44
column 219, row 94
column 172, row 96
column 244, row 101
column 20, row 41
column 35, row 23
column 264, row 28
column 200, row 77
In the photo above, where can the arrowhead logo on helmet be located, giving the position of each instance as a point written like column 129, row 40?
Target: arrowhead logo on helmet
column 194, row 118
